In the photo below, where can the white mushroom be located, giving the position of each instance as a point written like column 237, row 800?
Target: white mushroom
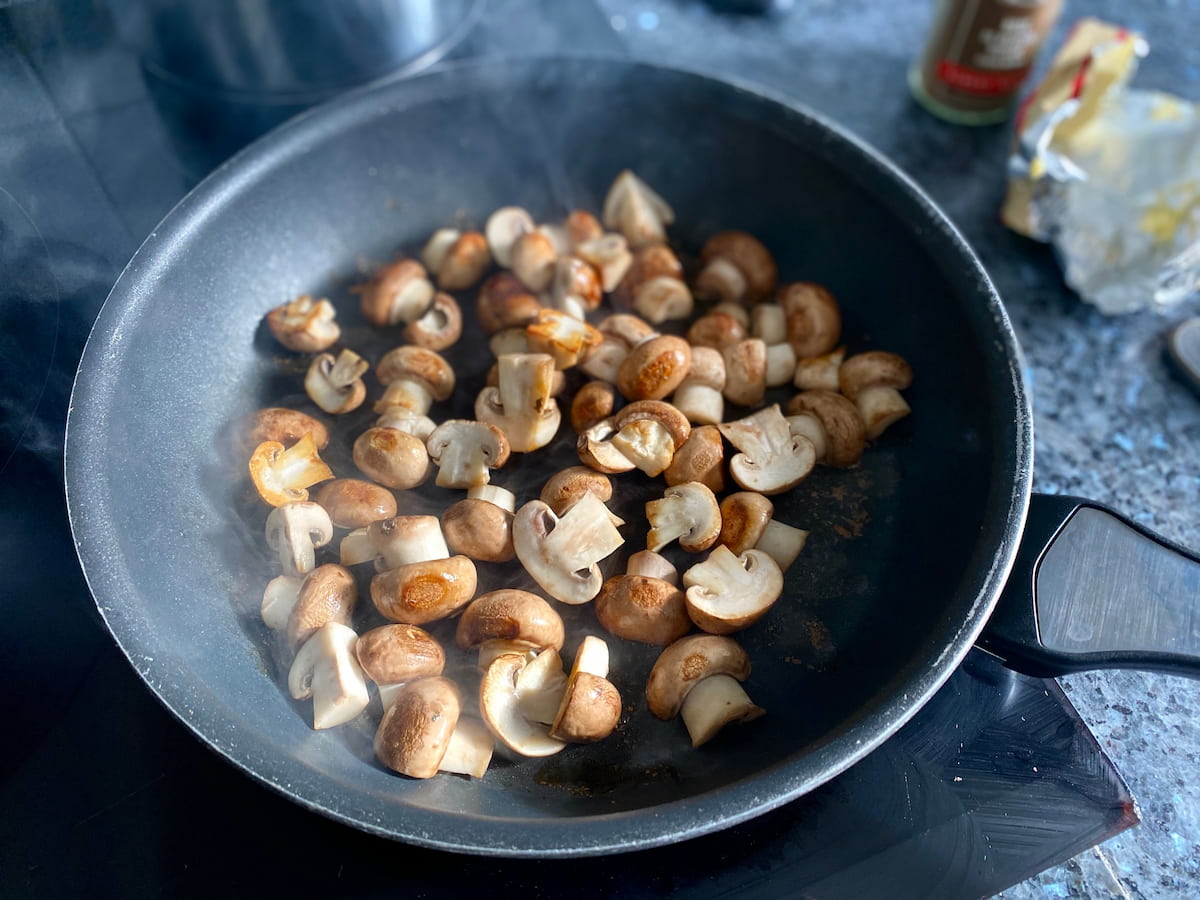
column 419, row 426
column 565, row 338
column 457, row 258
column 304, row 325
column 503, row 228
column 687, row 512
column 609, row 255
column 422, row 733
column 712, row 704
column 698, row 678
column 279, row 599
column 819, row 372
column 772, row 458
column 403, row 540
column 648, row 434
column 500, row 702
column 465, row 451
column 521, row 404
column 597, row 451
column 561, row 554
column 294, row 531
column 633, row 209
column 336, row 385
column 699, row 395
column 326, row 669
column 727, row 593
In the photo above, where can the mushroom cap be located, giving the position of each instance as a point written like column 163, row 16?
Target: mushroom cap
column 418, row 364
column 284, row 474
column 626, row 327
column 744, row 518
column 654, row 368
column 393, row 654
column 563, row 489
column 749, row 256
column 687, row 511
column 415, row 730
column 327, row 594
column 465, row 261
column 716, row 330
column 562, row 553
column 701, row 458
column 426, row 591
column 465, row 450
column 582, row 227
column 593, row 402
column 532, row 258
column 707, row 368
column 577, row 278
column 729, row 592
column 745, row 372
column 505, row 302
column 391, row 457
column 304, row 325
column 875, row 368
column 502, row 229
column 664, row 414
column 814, row 321
column 500, row 704
column 440, row 327
column 285, row 426
column 685, row 663
column 845, row 431
column 511, row 615
column 642, row 608
column 597, row 452
column 479, row 529
column 649, row 262
column 354, row 503
column 395, row 292
column 590, row 709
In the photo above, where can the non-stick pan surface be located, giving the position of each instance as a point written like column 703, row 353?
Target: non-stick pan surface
column 907, row 552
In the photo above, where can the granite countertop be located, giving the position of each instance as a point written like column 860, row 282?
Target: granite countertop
column 1112, row 423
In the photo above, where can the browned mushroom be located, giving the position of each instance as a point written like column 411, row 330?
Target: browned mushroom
column 353, row 503
column 457, row 258
column 505, row 302
column 593, row 402
column 394, row 654
column 833, row 424
column 736, row 268
column 285, row 426
column 399, row 293
column 654, row 368
column 701, row 458
column 327, row 594
column 304, row 325
column 873, row 380
column 440, row 327
column 814, row 321
column 415, row 378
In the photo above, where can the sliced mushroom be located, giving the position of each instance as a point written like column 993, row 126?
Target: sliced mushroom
column 285, row 426
column 521, row 404
column 701, row 458
column 747, row 522
column 335, row 384
column 768, row 323
column 589, row 710
column 566, row 339
column 819, row 372
column 458, row 258
column 727, row 593
column 745, row 372
column 873, row 380
column 353, row 503
column 654, row 286
column 440, row 327
column 501, row 703
column 284, row 474
column 736, row 268
column 327, row 594
column 772, row 459
column 394, row 654
column 415, row 378
column 833, row 424
column 592, row 403
column 597, row 452
column 576, row 288
column 636, row 211
column 401, row 540
column 715, row 702
column 814, row 321
column 620, row 333
column 505, row 302
column 422, row 592
column 393, row 458
column 685, row 663
column 305, row 325
column 481, row 528
column 503, row 228
column 699, row 395
column 686, row 512
column 294, row 531
column 466, row 451
column 561, row 554
column 399, row 293
column 326, row 669
column 532, row 257
column 564, row 489
column 422, row 733
column 648, row 434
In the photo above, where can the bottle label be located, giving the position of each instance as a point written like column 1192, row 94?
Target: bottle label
column 981, row 82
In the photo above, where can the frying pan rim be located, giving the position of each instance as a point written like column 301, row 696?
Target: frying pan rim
column 592, row 834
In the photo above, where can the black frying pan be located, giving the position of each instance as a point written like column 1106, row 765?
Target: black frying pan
column 908, row 554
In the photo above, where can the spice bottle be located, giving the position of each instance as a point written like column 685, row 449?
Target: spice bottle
column 978, row 54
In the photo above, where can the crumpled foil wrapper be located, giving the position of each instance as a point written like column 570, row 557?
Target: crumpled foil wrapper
column 1109, row 175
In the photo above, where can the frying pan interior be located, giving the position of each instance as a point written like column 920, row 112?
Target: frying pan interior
column 905, row 554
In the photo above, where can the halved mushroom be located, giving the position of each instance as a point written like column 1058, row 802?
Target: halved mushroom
column 327, row 594
column 284, row 474
column 575, row 288
column 392, row 457
column 565, row 338
column 633, row 209
column 590, row 707
column 415, row 378
column 406, row 420
column 515, row 619
column 648, row 434
column 873, row 380
column 652, row 564
column 505, row 302
column 814, row 322
column 401, row 540
column 521, row 404
column 421, row 733
column 481, row 525
column 620, row 333
column 279, row 599
column 716, row 330
column 609, row 254
column 294, row 531
column 654, row 285
column 699, row 395
column 592, row 403
column 532, row 257
column 736, row 268
column 727, row 593
column 427, row 591
column 564, row 489
column 819, row 372
column 502, row 229
column 335, row 384
column 305, row 325
column 465, row 451
column 354, row 503
column 833, row 424
column 501, row 702
column 394, row 654
column 747, row 522
column 440, row 327
column 768, row 323
column 596, row 449
column 458, row 258
column 285, row 426
column 326, row 669
column 561, row 554
column 641, row 606
column 399, row 293
column 582, row 226
column 686, row 512
column 772, row 458
column 701, row 458
column 654, row 368
column 745, row 372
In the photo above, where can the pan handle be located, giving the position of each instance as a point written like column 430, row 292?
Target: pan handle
column 1092, row 590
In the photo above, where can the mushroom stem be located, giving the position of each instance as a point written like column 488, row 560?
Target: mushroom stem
column 406, row 393
column 714, row 703
column 782, row 543
column 326, row 670
column 279, row 599
column 402, row 540
column 469, row 750
column 810, row 427
column 652, row 565
column 646, row 444
column 494, row 494
column 584, row 536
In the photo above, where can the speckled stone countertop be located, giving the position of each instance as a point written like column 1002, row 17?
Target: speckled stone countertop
column 1112, row 423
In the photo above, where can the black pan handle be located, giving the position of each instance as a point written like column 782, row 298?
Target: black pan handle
column 1092, row 590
